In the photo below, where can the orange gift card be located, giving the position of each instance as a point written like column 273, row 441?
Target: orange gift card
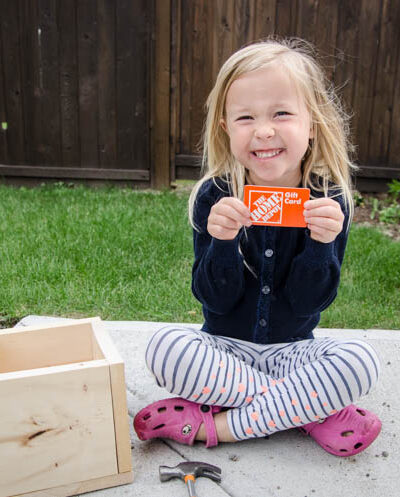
column 276, row 206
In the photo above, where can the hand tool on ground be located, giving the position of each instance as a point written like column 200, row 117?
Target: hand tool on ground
column 189, row 471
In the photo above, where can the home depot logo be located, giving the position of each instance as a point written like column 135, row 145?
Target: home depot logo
column 268, row 208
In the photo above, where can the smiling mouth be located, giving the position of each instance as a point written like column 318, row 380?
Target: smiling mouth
column 261, row 154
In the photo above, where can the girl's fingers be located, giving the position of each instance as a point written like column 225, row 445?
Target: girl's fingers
column 232, row 208
column 327, row 211
column 222, row 233
column 325, row 223
column 318, row 202
column 224, row 221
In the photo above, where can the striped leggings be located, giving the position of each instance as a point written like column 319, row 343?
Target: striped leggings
column 269, row 388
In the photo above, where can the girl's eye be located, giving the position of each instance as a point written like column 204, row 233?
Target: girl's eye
column 243, row 117
column 282, row 113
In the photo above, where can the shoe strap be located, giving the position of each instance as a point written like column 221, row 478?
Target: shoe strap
column 209, row 425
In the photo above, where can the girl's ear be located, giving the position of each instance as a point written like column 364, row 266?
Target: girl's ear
column 223, row 124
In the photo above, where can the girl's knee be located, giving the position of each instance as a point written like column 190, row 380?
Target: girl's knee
column 164, row 343
column 360, row 359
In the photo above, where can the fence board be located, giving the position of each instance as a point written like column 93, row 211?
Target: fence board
column 186, row 74
column 382, row 104
column 286, row 17
column 326, row 33
column 369, row 31
column 3, row 115
column 107, row 85
column 28, row 17
column 176, row 9
column 222, row 35
column 264, row 18
column 88, row 82
column 346, row 53
column 12, row 80
column 201, row 69
column 50, row 144
column 394, row 142
column 69, row 98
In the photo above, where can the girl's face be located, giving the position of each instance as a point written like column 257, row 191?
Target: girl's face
column 268, row 125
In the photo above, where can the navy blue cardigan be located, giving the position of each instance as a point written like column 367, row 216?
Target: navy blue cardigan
column 273, row 288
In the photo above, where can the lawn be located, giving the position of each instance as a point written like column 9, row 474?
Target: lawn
column 123, row 254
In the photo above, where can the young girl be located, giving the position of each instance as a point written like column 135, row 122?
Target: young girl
column 255, row 367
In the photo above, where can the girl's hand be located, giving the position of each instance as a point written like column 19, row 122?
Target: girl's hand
column 226, row 218
column 324, row 218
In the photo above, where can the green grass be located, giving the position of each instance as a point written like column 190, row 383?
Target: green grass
column 369, row 292
column 127, row 255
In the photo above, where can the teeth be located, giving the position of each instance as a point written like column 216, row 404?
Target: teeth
column 264, row 155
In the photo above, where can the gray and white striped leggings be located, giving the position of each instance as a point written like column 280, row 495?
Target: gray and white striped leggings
column 269, row 387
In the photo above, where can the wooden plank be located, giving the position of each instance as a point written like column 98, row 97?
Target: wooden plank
column 306, row 20
column 201, row 80
column 12, row 82
column 385, row 82
column 369, row 22
column 3, row 114
column 50, row 144
column 88, row 83
column 118, row 389
column 394, row 142
column 185, row 90
column 193, row 162
column 346, row 50
column 188, row 173
column 74, row 173
column 83, row 486
column 107, row 89
column 188, row 160
column 60, row 425
column 243, row 31
column 223, row 41
column 264, row 18
column 121, row 417
column 326, row 33
column 176, row 9
column 286, row 17
column 69, row 97
column 29, row 22
column 133, row 80
column 160, row 95
column 45, row 347
column 379, row 171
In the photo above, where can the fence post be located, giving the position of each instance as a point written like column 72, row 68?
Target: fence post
column 160, row 96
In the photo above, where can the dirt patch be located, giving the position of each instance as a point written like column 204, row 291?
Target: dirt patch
column 8, row 322
column 363, row 215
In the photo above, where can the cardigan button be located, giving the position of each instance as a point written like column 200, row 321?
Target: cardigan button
column 266, row 289
column 269, row 253
column 263, row 323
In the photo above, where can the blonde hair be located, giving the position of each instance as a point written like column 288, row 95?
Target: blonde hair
column 326, row 164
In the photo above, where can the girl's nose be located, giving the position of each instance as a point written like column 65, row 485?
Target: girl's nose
column 264, row 131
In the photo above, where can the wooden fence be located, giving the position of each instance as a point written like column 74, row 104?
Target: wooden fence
column 115, row 90
column 359, row 46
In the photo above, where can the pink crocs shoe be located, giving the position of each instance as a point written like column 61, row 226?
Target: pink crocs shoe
column 177, row 419
column 346, row 433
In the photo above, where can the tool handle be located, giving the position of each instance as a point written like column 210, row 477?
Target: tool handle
column 189, row 480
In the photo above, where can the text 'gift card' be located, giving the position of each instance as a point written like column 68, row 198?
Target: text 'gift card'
column 276, row 206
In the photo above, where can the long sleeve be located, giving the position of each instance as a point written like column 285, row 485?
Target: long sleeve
column 218, row 269
column 314, row 275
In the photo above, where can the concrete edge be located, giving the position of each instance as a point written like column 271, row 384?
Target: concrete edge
column 369, row 334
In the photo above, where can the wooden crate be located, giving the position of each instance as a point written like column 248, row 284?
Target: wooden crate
column 63, row 414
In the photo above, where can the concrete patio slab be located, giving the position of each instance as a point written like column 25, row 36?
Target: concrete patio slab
column 286, row 464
